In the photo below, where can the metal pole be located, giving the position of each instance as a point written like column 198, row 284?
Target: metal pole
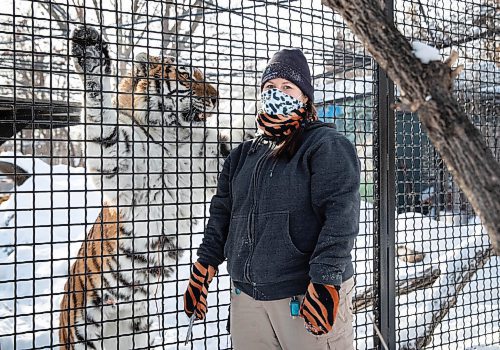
column 385, row 230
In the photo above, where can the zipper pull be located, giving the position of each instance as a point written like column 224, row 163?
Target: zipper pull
column 272, row 167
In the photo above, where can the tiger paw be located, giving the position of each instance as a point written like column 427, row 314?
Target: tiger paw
column 90, row 53
column 224, row 144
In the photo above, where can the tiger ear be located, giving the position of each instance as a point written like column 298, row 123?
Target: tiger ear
column 169, row 59
column 141, row 64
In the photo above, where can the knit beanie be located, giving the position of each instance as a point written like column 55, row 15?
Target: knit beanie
column 290, row 64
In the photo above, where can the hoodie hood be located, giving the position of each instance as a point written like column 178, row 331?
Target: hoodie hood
column 319, row 124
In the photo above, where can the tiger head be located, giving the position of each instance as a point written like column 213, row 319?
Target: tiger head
column 165, row 93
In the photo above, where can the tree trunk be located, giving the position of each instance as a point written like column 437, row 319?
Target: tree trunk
column 426, row 89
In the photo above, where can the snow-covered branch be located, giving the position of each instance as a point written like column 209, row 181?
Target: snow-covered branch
column 457, row 269
column 421, row 280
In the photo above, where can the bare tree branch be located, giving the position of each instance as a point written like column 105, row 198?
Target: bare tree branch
column 458, row 272
column 423, row 280
column 486, row 34
column 182, row 41
column 79, row 11
column 98, row 12
column 426, row 88
column 57, row 12
column 136, row 15
column 141, row 34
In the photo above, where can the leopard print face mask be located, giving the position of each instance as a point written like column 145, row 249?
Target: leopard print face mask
column 276, row 102
column 281, row 114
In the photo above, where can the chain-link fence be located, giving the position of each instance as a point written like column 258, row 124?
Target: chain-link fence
column 103, row 199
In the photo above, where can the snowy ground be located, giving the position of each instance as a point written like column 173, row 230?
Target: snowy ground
column 55, row 214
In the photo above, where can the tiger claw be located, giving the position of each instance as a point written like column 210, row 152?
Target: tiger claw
column 109, row 300
column 89, row 51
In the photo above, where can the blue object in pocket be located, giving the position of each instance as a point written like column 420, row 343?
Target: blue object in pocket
column 294, row 307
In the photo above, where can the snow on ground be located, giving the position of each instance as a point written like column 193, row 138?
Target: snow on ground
column 52, row 216
column 59, row 210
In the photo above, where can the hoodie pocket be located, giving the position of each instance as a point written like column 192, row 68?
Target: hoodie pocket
column 276, row 258
column 236, row 248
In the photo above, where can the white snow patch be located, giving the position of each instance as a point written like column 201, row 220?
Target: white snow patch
column 425, row 53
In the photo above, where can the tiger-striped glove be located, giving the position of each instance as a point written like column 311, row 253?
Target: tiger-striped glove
column 319, row 307
column 195, row 297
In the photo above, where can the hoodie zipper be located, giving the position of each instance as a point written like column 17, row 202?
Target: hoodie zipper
column 251, row 216
column 272, row 167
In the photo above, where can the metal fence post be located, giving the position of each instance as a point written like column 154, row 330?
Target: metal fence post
column 384, row 222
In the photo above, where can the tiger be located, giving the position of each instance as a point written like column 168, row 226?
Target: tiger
column 149, row 151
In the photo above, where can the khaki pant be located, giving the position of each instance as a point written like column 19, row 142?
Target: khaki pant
column 262, row 325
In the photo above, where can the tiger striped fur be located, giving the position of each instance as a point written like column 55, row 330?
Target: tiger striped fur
column 153, row 158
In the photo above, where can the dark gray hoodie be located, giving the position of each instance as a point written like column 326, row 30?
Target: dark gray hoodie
column 282, row 223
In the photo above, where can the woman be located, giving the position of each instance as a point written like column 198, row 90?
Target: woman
column 285, row 215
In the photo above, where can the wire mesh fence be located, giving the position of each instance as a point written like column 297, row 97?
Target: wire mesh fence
column 107, row 168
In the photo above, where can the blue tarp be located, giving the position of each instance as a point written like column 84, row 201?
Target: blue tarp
column 328, row 113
